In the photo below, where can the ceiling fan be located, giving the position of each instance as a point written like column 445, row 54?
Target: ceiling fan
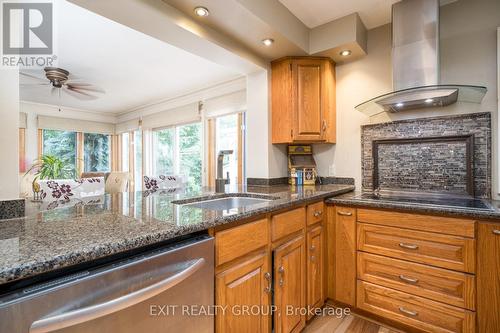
column 60, row 81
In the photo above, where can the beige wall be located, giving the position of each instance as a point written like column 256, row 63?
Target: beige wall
column 9, row 129
column 468, row 56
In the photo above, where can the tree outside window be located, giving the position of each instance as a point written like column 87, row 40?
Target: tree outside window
column 178, row 151
column 61, row 144
column 96, row 152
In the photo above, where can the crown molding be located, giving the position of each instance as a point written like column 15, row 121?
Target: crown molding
column 66, row 112
column 217, row 90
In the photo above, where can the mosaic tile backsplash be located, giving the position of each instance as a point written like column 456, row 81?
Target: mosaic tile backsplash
column 430, row 166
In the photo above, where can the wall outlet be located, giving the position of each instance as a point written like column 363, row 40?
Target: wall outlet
column 331, row 170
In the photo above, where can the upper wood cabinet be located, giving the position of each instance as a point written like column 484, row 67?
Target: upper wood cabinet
column 303, row 100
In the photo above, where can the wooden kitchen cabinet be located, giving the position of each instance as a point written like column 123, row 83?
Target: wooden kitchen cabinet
column 345, row 255
column 315, row 267
column 303, row 100
column 289, row 282
column 488, row 277
column 245, row 285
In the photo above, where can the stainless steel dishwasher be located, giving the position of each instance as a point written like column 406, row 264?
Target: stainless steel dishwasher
column 170, row 289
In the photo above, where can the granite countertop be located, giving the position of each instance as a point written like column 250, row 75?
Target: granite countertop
column 353, row 199
column 61, row 234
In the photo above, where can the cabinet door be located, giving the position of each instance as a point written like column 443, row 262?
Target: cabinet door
column 488, row 277
column 289, row 282
column 345, row 255
column 315, row 267
column 308, row 92
column 245, row 285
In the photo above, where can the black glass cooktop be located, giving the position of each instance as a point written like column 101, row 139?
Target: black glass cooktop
column 457, row 202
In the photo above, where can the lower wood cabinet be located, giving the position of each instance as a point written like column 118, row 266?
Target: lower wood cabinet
column 245, row 285
column 488, row 277
column 315, row 268
column 270, row 271
column 345, row 255
column 289, row 290
column 419, row 312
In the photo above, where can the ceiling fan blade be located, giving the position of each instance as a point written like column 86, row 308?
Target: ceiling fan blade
column 79, row 94
column 86, row 87
column 32, row 76
column 34, row 84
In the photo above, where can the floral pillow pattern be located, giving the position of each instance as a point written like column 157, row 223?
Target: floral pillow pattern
column 64, row 189
column 162, row 182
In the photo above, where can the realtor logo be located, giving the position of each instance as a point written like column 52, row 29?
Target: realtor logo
column 27, row 34
column 27, row 28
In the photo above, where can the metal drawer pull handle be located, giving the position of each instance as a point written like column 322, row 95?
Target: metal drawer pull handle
column 281, row 270
column 408, row 246
column 78, row 316
column 344, row 213
column 408, row 279
column 408, row 312
column 313, row 248
column 317, row 213
column 268, row 289
column 496, row 231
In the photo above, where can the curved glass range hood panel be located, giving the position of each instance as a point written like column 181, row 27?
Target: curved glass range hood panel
column 422, row 97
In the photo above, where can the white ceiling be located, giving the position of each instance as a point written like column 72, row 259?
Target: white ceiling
column 312, row 13
column 134, row 69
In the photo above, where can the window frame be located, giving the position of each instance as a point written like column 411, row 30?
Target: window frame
column 211, row 147
column 176, row 139
column 80, row 153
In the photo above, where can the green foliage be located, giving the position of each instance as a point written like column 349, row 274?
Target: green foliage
column 50, row 167
column 96, row 152
column 189, row 153
column 61, row 145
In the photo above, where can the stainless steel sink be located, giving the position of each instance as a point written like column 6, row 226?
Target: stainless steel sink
column 225, row 203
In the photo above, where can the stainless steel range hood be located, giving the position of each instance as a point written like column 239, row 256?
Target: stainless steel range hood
column 415, row 63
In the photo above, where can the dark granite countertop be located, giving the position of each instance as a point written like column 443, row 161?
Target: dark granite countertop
column 353, row 199
column 58, row 235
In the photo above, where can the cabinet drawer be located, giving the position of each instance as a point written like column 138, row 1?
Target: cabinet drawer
column 287, row 223
column 438, row 284
column 452, row 252
column 236, row 242
column 414, row 311
column 444, row 225
column 315, row 212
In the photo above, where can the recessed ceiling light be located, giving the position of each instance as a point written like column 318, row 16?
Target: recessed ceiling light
column 345, row 53
column 201, row 11
column 429, row 100
column 268, row 41
column 399, row 104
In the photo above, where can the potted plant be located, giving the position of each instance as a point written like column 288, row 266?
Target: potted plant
column 47, row 167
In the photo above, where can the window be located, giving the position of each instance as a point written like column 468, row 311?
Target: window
column 225, row 133
column 61, row 144
column 178, row 151
column 96, row 152
column 22, row 150
column 125, row 151
column 137, row 160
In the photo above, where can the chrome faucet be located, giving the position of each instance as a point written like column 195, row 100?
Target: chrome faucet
column 220, row 183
